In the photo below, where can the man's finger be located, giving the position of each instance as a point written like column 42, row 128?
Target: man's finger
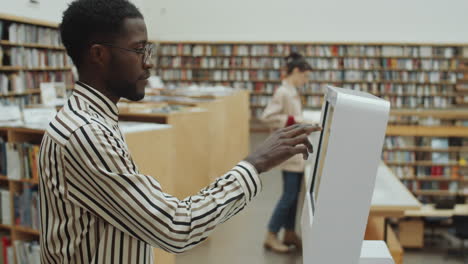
column 302, row 129
column 301, row 139
column 301, row 149
column 289, row 128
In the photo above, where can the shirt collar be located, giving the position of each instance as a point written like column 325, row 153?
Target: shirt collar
column 101, row 103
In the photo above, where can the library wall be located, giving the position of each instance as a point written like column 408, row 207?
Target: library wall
column 308, row 20
column 280, row 20
column 48, row 10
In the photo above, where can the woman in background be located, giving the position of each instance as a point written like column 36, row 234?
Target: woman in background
column 285, row 109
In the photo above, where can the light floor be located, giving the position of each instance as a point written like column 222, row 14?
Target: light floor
column 240, row 239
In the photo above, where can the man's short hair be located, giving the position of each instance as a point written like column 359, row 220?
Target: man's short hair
column 87, row 21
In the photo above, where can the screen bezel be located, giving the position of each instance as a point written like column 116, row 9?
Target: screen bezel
column 319, row 150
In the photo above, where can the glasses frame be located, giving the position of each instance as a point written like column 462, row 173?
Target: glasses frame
column 148, row 50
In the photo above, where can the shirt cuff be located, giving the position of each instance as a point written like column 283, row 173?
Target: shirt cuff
column 249, row 179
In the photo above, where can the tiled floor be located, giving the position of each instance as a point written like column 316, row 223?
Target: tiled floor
column 240, row 239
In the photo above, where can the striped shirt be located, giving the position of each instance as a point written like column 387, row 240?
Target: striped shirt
column 97, row 208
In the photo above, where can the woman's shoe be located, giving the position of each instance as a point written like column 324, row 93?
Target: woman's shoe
column 274, row 244
column 292, row 239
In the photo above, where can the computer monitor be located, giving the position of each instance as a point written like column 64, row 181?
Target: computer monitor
column 341, row 184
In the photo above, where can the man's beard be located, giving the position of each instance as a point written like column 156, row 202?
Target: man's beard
column 125, row 89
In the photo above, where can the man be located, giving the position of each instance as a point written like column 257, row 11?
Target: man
column 95, row 205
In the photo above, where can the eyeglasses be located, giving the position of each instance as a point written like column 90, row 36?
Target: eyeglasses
column 147, row 51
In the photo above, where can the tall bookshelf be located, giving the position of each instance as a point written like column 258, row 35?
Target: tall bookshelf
column 426, row 83
column 31, row 52
column 409, row 75
column 19, row 227
column 428, row 151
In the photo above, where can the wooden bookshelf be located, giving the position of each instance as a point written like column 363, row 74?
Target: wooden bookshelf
column 10, row 68
column 16, row 186
column 427, row 149
column 5, row 227
column 435, row 193
column 442, row 179
column 30, row 45
column 26, row 20
column 427, row 131
column 23, row 41
column 26, row 230
column 434, row 65
column 15, row 68
column 26, row 80
column 424, row 163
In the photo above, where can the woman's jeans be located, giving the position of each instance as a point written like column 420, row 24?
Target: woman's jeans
column 284, row 214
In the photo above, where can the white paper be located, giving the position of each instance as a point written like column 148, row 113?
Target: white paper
column 10, row 113
column 53, row 94
column 39, row 117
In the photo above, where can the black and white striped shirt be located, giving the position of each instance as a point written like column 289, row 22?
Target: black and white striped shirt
column 97, row 208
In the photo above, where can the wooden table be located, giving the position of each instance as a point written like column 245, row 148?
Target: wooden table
column 390, row 199
column 228, row 127
column 412, row 228
column 188, row 147
column 428, row 210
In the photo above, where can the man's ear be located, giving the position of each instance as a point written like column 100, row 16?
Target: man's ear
column 99, row 55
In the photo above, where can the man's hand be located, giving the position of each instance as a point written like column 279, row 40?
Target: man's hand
column 282, row 145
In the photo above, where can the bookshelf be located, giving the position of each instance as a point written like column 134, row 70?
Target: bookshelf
column 409, row 75
column 430, row 160
column 19, row 216
column 30, row 53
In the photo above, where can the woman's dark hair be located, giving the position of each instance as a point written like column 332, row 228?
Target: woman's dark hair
column 296, row 60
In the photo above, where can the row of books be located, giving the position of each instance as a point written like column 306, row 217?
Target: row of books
column 383, row 76
column 7, row 255
column 419, row 121
column 384, row 88
column 403, row 171
column 21, row 101
column 23, row 81
column 398, row 156
column 256, row 112
column 424, row 172
column 411, row 141
column 322, row 76
column 21, row 160
column 220, row 75
column 34, row 58
column 407, row 89
column 437, row 172
column 5, row 213
column 23, row 33
column 26, row 207
column 432, row 186
column 414, row 102
column 399, row 142
column 313, row 102
column 262, row 101
column 306, row 49
column 27, row 252
column 207, row 63
column 316, row 63
column 383, row 64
